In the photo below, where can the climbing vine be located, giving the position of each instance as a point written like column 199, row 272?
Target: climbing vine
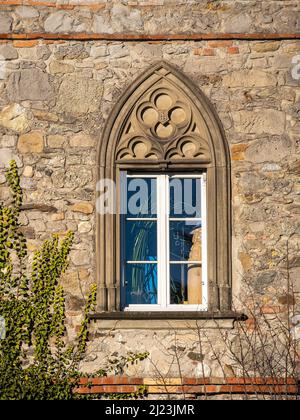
column 35, row 362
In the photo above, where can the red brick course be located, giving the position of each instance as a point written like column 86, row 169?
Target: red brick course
column 148, row 37
column 191, row 386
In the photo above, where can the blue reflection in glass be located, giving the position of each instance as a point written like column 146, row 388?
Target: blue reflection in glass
column 141, row 284
column 141, row 240
column 185, row 197
column 183, row 235
column 141, row 197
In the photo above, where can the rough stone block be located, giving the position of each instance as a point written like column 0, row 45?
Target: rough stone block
column 249, row 79
column 56, row 67
column 29, row 84
column 241, row 23
column 14, row 117
column 8, row 52
column 268, row 46
column 32, row 142
column 6, row 156
column 27, row 12
column 56, row 141
column 79, row 95
column 126, row 18
column 59, row 21
column 28, row 172
column 272, row 149
column 83, row 207
column 82, row 140
column 80, row 257
column 260, row 121
column 5, row 23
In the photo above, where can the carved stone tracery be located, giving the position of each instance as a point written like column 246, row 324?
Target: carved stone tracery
column 163, row 125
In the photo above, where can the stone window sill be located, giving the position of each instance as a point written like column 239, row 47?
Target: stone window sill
column 167, row 320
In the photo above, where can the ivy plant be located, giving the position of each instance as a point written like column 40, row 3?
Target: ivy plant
column 35, row 362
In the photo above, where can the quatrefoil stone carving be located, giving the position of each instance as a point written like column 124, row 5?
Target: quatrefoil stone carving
column 164, row 115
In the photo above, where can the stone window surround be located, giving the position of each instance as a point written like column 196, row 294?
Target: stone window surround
column 218, row 171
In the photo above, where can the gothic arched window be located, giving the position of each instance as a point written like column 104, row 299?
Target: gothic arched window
column 167, row 245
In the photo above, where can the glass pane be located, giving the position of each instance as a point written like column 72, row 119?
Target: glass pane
column 141, row 284
column 141, row 240
column 141, row 197
column 185, row 197
column 185, row 241
column 186, row 284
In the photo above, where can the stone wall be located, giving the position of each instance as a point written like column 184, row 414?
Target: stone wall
column 55, row 96
column 149, row 16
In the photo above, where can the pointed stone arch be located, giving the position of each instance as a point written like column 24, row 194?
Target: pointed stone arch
column 163, row 122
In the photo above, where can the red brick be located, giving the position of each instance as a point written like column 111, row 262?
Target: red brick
column 239, row 381
column 290, row 381
column 208, row 52
column 256, row 381
column 270, row 310
column 40, row 3
column 211, row 389
column 196, row 381
column 251, row 324
column 99, row 381
column 99, row 390
column 84, row 381
column 224, row 389
column 292, row 389
column 136, row 381
column 25, row 44
column 111, row 389
column 233, row 50
column 82, row 390
column 108, row 380
column 127, row 389
column 94, row 7
column 189, row 381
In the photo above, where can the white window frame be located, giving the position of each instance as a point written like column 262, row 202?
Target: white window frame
column 163, row 251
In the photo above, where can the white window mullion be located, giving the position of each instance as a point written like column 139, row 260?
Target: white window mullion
column 161, row 240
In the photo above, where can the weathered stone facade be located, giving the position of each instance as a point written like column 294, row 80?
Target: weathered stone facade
column 56, row 96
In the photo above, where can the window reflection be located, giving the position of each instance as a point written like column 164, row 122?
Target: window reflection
column 186, row 284
column 185, row 241
column 141, row 284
